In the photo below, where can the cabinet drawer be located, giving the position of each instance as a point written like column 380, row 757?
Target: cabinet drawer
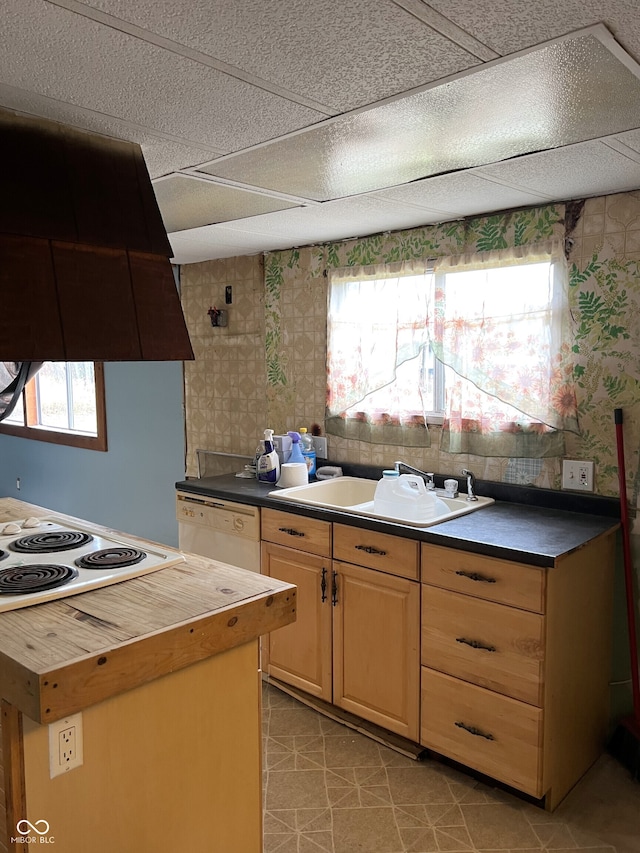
column 391, row 554
column 493, row 734
column 488, row 644
column 485, row 577
column 296, row 531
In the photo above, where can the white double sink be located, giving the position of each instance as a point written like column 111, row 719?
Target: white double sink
column 355, row 495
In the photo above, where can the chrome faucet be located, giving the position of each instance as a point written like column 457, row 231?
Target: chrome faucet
column 428, row 476
column 471, row 485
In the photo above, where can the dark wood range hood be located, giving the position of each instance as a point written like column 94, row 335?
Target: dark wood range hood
column 84, row 256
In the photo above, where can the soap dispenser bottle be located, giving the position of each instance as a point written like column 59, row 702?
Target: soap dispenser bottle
column 268, row 467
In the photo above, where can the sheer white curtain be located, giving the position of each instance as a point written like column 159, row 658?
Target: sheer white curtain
column 501, row 321
column 498, row 320
column 377, row 321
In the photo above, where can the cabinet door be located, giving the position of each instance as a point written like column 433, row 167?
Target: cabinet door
column 376, row 660
column 300, row 653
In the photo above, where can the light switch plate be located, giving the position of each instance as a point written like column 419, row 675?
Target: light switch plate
column 320, row 444
column 577, row 475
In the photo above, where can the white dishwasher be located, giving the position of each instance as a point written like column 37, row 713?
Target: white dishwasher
column 219, row 529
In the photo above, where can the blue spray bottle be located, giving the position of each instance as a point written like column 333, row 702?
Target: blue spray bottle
column 296, row 452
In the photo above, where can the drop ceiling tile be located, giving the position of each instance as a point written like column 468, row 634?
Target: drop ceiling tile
column 552, row 96
column 511, row 25
column 218, row 241
column 462, row 194
column 336, row 220
column 187, row 202
column 630, row 139
column 587, row 169
column 59, row 54
column 341, row 54
column 193, row 251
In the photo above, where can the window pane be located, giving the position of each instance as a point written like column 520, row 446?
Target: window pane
column 53, row 409
column 67, row 396
column 17, row 415
column 83, row 390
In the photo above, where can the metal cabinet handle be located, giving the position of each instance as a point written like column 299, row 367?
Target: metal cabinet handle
column 474, row 731
column 291, row 531
column 334, row 587
column 475, row 644
column 370, row 550
column 474, row 576
column 323, row 585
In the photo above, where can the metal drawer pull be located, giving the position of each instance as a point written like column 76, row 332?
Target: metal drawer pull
column 474, row 576
column 370, row 550
column 475, row 644
column 323, row 585
column 473, row 731
column 290, row 531
column 334, row 588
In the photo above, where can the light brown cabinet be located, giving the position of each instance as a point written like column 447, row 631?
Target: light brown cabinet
column 300, row 653
column 496, row 664
column 515, row 663
column 356, row 639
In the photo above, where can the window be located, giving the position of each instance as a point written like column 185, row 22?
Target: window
column 64, row 404
column 477, row 343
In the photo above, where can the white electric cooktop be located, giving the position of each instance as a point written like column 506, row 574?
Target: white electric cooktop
column 42, row 559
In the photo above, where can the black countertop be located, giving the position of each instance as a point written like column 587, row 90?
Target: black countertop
column 536, row 535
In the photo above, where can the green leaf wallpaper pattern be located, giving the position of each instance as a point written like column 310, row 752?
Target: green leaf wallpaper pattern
column 273, row 280
column 604, row 298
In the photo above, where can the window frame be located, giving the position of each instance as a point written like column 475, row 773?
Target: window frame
column 37, row 432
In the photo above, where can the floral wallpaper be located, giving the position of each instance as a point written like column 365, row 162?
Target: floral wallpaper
column 604, row 257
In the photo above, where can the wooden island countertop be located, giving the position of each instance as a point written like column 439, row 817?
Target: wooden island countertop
column 61, row 656
column 162, row 675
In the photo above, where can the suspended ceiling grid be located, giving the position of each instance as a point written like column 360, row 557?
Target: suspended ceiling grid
column 274, row 98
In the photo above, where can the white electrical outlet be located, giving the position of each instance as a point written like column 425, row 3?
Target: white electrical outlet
column 320, row 444
column 65, row 745
column 577, row 475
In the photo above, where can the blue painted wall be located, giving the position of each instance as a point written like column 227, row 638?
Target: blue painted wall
column 131, row 486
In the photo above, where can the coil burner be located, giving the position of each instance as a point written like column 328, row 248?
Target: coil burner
column 34, row 578
column 50, row 542
column 111, row 558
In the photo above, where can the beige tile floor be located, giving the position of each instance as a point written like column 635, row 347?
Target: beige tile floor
column 329, row 789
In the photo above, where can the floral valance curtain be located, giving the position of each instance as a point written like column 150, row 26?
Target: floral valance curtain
column 377, row 321
column 500, row 321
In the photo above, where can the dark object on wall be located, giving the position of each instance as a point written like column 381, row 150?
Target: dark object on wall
column 625, row 743
column 84, row 255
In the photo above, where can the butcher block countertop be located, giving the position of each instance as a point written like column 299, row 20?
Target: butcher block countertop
column 59, row 657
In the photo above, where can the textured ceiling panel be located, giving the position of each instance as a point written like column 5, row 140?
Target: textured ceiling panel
column 461, row 194
column 631, row 139
column 189, row 250
column 556, row 95
column 341, row 54
column 190, row 203
column 349, row 217
column 511, row 25
column 76, row 60
column 591, row 168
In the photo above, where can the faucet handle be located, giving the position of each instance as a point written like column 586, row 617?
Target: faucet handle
column 431, row 483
